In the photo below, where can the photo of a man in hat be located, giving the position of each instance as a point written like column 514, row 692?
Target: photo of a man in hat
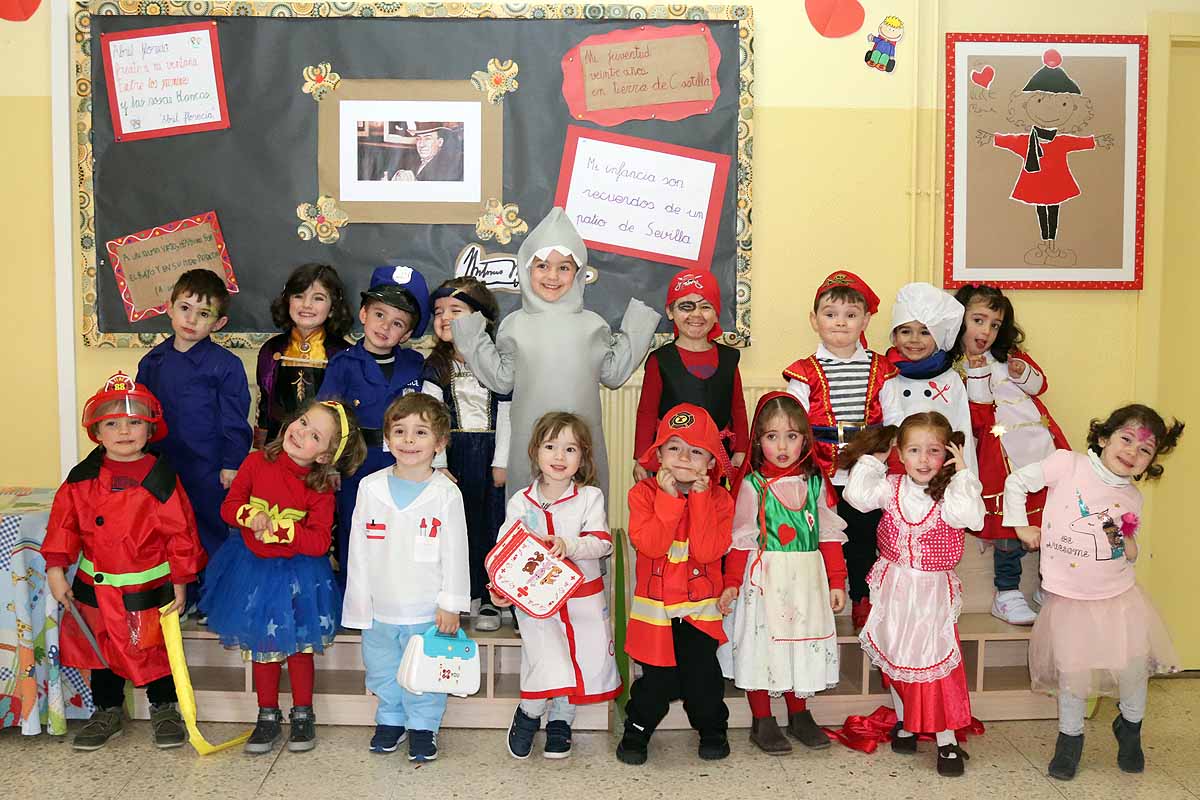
column 439, row 148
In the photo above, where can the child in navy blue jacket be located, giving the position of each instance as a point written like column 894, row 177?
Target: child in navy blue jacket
column 377, row 370
column 205, row 399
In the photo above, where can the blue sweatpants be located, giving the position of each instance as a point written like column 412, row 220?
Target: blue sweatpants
column 382, row 648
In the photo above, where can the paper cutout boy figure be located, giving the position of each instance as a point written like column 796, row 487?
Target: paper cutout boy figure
column 882, row 55
column 1055, row 109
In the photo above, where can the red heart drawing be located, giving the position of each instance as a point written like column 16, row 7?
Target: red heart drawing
column 787, row 534
column 983, row 77
column 835, row 18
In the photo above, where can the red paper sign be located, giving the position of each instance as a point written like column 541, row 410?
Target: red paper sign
column 164, row 81
column 148, row 263
column 642, row 73
column 642, row 198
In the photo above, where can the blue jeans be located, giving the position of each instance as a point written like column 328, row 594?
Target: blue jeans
column 1006, row 563
column 382, row 648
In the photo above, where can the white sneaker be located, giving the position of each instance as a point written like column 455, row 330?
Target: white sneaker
column 488, row 619
column 1011, row 607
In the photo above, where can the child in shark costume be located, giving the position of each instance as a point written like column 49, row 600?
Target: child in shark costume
column 553, row 355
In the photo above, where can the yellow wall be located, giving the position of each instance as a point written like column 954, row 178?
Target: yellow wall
column 826, row 129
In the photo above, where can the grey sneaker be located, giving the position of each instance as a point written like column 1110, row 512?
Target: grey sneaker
column 488, row 619
column 169, row 730
column 104, row 724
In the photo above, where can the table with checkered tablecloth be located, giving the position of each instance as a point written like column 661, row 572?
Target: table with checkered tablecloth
column 35, row 690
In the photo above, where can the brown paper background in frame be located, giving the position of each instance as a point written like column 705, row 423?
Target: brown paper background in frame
column 999, row 229
column 491, row 167
column 680, row 55
column 165, row 266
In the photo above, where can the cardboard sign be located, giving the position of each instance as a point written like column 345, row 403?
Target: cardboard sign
column 164, row 81
column 524, row 570
column 643, row 198
column 148, row 263
column 647, row 72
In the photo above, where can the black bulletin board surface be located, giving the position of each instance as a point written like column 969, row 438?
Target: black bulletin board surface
column 255, row 173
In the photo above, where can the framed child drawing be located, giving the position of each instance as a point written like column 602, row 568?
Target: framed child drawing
column 1045, row 160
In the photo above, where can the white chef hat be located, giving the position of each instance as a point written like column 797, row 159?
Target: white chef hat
column 935, row 309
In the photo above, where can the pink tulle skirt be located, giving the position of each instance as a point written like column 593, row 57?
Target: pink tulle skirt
column 1083, row 646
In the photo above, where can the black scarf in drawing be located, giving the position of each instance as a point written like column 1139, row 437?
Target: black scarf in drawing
column 1035, row 152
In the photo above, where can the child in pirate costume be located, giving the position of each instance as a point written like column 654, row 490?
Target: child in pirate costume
column 843, row 388
column 680, row 523
column 552, row 354
column 694, row 368
column 124, row 516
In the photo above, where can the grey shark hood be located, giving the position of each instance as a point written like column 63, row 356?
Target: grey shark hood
column 555, row 231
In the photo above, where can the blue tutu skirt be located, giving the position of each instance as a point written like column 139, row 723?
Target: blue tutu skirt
column 271, row 607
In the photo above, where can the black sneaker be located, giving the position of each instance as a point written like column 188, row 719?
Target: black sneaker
column 951, row 760
column 266, row 732
column 635, row 745
column 168, row 727
column 104, row 725
column 520, row 734
column 714, row 745
column 387, row 738
column 558, row 739
column 422, row 745
column 303, row 734
column 906, row 745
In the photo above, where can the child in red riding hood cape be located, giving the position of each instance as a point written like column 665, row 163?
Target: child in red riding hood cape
column 680, row 523
column 126, row 514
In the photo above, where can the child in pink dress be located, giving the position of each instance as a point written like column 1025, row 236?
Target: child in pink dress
column 1097, row 633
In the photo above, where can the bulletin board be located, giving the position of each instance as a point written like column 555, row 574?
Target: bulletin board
column 307, row 148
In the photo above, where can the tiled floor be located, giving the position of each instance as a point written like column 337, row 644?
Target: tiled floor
column 1009, row 761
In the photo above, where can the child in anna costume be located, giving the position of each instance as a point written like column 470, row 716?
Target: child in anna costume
column 123, row 515
column 843, row 387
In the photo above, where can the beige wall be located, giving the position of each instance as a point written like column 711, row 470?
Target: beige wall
column 825, row 129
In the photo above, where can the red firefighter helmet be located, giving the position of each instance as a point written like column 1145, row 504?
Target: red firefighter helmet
column 121, row 397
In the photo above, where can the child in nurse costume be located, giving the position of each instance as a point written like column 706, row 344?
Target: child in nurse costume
column 566, row 659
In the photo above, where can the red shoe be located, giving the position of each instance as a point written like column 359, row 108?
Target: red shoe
column 859, row 613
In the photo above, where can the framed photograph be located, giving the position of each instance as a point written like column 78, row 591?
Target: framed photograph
column 1045, row 160
column 414, row 151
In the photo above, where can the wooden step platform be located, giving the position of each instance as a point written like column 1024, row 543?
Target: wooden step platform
column 994, row 653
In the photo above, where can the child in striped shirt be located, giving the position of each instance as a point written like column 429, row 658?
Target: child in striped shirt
column 841, row 386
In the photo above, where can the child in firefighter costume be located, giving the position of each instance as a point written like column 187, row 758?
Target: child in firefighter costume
column 123, row 515
column 680, row 523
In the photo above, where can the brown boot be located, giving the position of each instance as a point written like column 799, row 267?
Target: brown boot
column 766, row 734
column 804, row 728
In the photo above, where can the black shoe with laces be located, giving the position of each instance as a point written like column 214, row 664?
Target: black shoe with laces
column 266, row 732
column 520, row 734
column 303, row 733
column 558, row 739
column 951, row 760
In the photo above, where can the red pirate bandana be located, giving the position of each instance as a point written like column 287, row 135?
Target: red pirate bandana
column 848, row 280
column 701, row 282
column 692, row 424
